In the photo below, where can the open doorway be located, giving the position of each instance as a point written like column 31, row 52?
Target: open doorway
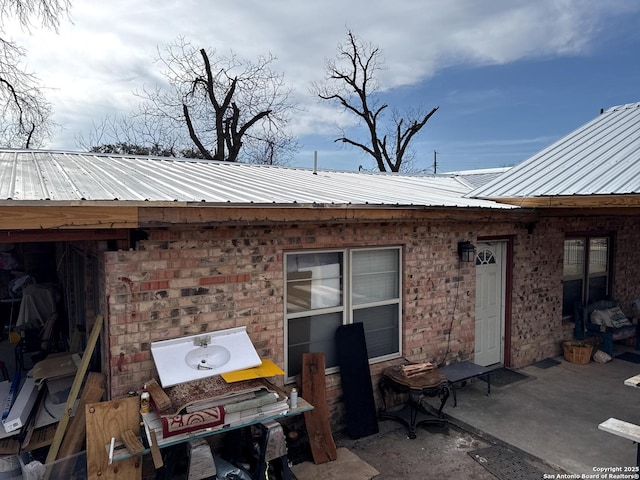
column 49, row 291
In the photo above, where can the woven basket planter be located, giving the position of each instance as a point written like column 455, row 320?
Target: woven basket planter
column 577, row 352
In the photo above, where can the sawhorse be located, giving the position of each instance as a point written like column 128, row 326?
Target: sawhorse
column 273, row 451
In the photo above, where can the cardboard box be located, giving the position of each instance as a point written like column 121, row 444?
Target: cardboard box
column 59, row 388
column 22, row 407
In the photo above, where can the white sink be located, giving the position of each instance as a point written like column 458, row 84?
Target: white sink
column 208, row 357
column 195, row 357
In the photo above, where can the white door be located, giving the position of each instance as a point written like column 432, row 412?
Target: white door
column 490, row 287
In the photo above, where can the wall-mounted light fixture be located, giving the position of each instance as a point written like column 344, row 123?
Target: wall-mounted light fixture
column 466, row 251
column 528, row 226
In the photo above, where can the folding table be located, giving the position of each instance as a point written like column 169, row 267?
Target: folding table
column 461, row 372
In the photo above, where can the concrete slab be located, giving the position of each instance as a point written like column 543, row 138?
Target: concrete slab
column 348, row 466
column 554, row 414
column 436, row 453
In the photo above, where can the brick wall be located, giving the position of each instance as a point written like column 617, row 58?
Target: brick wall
column 537, row 325
column 182, row 282
column 187, row 281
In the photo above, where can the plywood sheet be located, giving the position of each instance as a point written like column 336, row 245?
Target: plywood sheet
column 104, row 421
column 75, row 435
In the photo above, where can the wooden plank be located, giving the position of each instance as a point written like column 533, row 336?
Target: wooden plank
column 132, row 442
column 41, row 437
column 633, row 381
column 155, row 450
column 56, row 365
column 160, row 399
column 221, row 215
column 621, row 428
column 575, row 201
column 74, row 438
column 31, row 421
column 323, row 447
column 63, row 217
column 9, row 446
column 75, row 389
column 104, row 421
column 35, row 236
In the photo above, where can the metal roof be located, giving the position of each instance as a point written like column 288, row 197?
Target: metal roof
column 600, row 158
column 28, row 176
column 479, row 177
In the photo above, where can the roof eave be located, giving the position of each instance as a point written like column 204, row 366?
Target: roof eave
column 572, row 201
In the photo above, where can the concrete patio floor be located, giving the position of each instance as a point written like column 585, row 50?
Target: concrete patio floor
column 553, row 415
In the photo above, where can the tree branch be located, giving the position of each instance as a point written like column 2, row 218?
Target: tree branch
column 355, row 144
column 194, row 137
column 405, row 138
column 351, row 84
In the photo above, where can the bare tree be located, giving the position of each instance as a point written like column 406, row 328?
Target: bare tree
column 352, row 84
column 128, row 135
column 216, row 107
column 25, row 111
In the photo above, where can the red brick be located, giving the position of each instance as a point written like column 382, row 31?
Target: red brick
column 212, row 280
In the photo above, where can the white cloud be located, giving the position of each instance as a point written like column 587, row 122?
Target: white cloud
column 94, row 63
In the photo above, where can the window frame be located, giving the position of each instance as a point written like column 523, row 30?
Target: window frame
column 586, row 275
column 348, row 306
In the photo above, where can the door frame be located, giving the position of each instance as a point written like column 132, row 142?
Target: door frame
column 507, row 293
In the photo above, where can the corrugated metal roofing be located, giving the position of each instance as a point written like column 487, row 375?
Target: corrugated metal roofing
column 477, row 178
column 600, row 158
column 70, row 177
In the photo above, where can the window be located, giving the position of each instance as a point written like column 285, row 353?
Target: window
column 585, row 278
column 327, row 289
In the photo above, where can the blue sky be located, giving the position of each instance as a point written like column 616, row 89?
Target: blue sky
column 499, row 115
column 509, row 76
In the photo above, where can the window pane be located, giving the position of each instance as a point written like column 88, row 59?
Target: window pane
column 314, row 280
column 597, row 289
column 315, row 333
column 375, row 276
column 598, row 255
column 571, row 293
column 573, row 257
column 381, row 326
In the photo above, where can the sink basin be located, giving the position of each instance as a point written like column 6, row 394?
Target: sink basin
column 208, row 357
column 195, row 357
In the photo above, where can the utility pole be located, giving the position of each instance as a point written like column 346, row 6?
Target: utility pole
column 435, row 162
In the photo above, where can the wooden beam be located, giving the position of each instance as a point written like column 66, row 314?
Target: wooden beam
column 74, row 439
column 103, row 218
column 67, row 217
column 577, row 201
column 75, row 389
column 323, row 447
column 590, row 212
column 213, row 216
column 21, row 236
